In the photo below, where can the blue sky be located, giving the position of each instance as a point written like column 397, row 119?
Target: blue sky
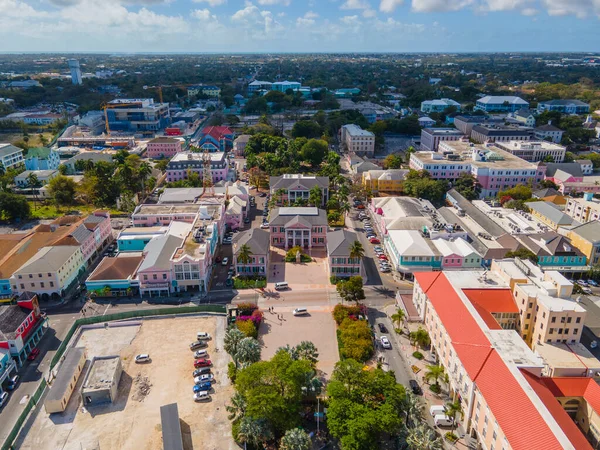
column 299, row 25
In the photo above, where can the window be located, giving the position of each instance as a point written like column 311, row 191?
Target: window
column 578, row 320
column 551, row 331
column 553, row 320
column 145, row 277
column 164, row 276
column 30, row 276
column 575, row 330
column 154, row 276
column 42, row 284
column 568, row 319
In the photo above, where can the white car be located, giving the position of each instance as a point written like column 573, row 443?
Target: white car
column 202, row 396
column 203, row 378
column 3, row 398
column 225, row 261
column 202, row 336
column 264, row 225
column 385, row 343
column 201, row 354
column 143, row 358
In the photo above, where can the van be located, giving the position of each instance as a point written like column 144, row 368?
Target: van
column 282, row 285
column 300, row 311
column 436, row 410
column 442, row 420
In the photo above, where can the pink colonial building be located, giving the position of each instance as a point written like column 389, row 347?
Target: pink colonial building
column 298, row 226
column 183, row 162
column 258, row 242
column 91, row 236
column 338, row 254
column 163, row 147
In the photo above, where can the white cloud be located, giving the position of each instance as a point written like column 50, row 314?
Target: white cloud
column 369, row 13
column 211, row 3
column 578, row 8
column 274, row 2
column 439, row 5
column 529, row 11
column 389, row 6
column 203, row 15
column 245, row 14
column 18, row 9
column 311, row 15
column 258, row 24
column 355, row 4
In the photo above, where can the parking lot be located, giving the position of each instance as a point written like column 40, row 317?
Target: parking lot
column 317, row 326
column 133, row 420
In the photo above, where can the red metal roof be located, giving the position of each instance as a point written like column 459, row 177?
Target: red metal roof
column 516, row 414
column 548, row 397
column 217, row 132
column 493, row 300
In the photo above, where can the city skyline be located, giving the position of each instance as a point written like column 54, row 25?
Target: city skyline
column 214, row 26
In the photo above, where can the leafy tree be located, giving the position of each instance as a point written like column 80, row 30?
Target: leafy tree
column 548, row 159
column 248, row 328
column 62, row 190
column 467, row 186
column 420, row 338
column 519, row 192
column 295, row 439
column 314, row 151
column 548, row 184
column 422, row 437
column 14, row 207
column 307, row 128
column 351, row 289
column 522, row 253
column 237, row 408
column 594, row 158
column 248, row 352
column 569, row 157
column 33, row 183
column 315, row 196
column 161, row 164
column 2, row 169
column 393, row 161
column 255, row 431
column 413, row 408
column 363, row 405
column 307, row 351
column 356, row 340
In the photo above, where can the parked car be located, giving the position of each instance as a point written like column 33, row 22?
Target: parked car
column 262, row 194
column 592, row 283
column 143, row 358
column 385, row 342
column 3, row 398
column 385, row 269
column 202, row 363
column 202, row 387
column 415, row 388
column 225, row 261
column 203, row 336
column 360, row 207
column 218, row 259
column 382, row 328
column 202, row 396
column 437, row 410
column 264, row 225
column 34, row 354
column 201, row 371
column 201, row 354
column 13, row 382
column 581, row 282
column 198, row 344
column 231, row 271
column 383, row 257
column 247, row 220
column 374, row 241
column 204, row 378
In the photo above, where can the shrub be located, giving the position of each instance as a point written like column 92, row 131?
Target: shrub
column 333, row 279
column 418, row 355
column 231, row 371
column 435, row 388
column 398, row 330
column 247, row 327
column 290, row 256
column 341, row 312
column 356, row 339
column 246, row 309
column 451, row 437
column 240, row 282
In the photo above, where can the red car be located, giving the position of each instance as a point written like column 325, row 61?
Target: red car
column 383, row 257
column 218, row 259
column 374, row 241
column 34, row 353
column 202, row 363
column 360, row 207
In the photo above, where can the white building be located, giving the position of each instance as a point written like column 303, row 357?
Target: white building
column 358, row 140
column 548, row 131
column 76, row 77
column 431, row 137
column 534, row 151
column 440, row 105
column 11, row 156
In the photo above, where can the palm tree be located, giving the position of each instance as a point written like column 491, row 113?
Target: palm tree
column 420, row 338
column 233, row 337
column 237, row 409
column 306, row 350
column 399, row 317
column 248, row 352
column 344, row 209
column 244, row 254
column 422, row 437
column 315, row 196
column 279, row 193
column 33, row 182
column 255, row 431
column 295, row 439
column 434, row 372
column 453, row 409
column 2, row 169
column 144, row 171
column 413, row 408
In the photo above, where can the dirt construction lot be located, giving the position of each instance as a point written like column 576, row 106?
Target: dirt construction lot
column 133, row 421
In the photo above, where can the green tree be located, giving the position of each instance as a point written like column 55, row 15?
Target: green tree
column 248, row 352
column 434, row 372
column 245, row 254
column 519, row 192
column 422, row 437
column 351, row 289
column 255, row 431
column 413, row 408
column 14, row 207
column 62, row 190
column 453, row 410
column 315, row 196
column 398, row 317
column 467, row 186
column 307, row 351
column 62, row 169
column 307, row 128
column 161, row 164
column 314, row 151
column 356, row 340
column 237, row 407
column 420, row 338
column 357, row 250
column 363, row 405
column 393, row 161
column 33, row 183
column 522, row 253
column 233, row 337
column 295, row 439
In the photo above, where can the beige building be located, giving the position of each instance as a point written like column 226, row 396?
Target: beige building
column 64, row 384
column 534, row 151
column 357, row 140
column 584, row 209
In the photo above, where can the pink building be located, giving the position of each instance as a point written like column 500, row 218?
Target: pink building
column 162, row 215
column 298, row 226
column 341, row 264
column 163, row 147
column 258, row 242
column 91, row 236
column 99, row 223
column 185, row 162
column 235, row 213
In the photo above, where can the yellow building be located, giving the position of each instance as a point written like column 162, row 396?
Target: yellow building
column 550, row 214
column 586, row 238
column 384, row 181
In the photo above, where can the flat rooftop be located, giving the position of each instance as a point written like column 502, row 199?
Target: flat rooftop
column 166, row 209
column 513, row 349
column 101, row 374
column 465, row 150
column 567, row 356
column 298, row 211
column 193, row 156
column 443, row 131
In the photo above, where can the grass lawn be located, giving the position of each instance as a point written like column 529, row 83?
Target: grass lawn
column 340, row 223
column 34, row 139
column 49, row 211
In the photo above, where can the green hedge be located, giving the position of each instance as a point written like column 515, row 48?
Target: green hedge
column 249, row 283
